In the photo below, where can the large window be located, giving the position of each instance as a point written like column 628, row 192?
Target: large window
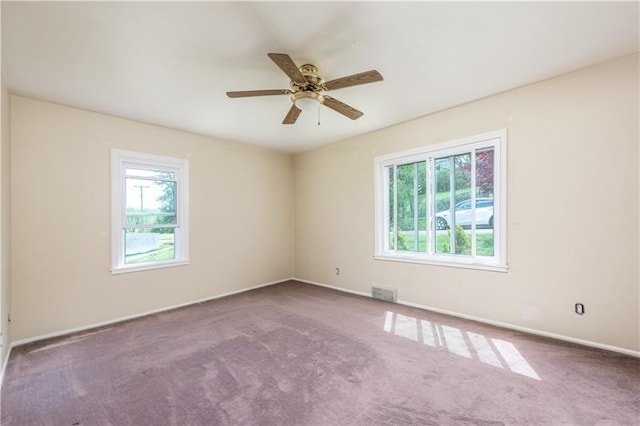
column 444, row 204
column 150, row 216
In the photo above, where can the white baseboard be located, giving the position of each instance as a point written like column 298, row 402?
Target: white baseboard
column 4, row 367
column 344, row 290
column 489, row 321
column 130, row 317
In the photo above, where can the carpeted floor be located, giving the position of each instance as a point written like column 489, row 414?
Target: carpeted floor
column 296, row 354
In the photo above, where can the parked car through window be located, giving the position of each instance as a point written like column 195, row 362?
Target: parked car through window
column 484, row 214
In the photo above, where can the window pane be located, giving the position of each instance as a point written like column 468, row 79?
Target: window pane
column 422, row 205
column 149, row 245
column 406, row 205
column 442, row 204
column 463, row 216
column 484, row 194
column 150, row 202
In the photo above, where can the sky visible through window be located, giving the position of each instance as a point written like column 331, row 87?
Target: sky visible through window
column 144, row 195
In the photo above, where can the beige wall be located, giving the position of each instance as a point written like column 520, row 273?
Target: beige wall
column 572, row 209
column 5, row 230
column 573, row 215
column 240, row 219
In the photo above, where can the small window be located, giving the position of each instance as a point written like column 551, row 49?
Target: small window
column 150, row 211
column 444, row 204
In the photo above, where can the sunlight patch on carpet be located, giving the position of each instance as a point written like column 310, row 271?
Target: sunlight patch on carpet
column 495, row 352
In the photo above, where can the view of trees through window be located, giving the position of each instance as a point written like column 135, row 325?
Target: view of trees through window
column 151, row 217
column 430, row 204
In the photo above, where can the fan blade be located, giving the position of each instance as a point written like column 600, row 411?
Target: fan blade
column 354, row 80
column 292, row 115
column 341, row 107
column 246, row 93
column 287, row 65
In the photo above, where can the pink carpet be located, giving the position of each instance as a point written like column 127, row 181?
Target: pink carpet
column 295, row 354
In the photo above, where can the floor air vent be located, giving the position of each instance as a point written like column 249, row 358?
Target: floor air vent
column 386, row 294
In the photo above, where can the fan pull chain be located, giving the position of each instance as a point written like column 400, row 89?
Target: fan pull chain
column 318, row 114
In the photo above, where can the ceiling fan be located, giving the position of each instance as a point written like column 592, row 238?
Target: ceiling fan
column 307, row 87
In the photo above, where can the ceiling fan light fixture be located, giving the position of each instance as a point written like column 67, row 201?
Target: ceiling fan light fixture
column 306, row 101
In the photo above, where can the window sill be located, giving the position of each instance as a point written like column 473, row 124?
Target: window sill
column 464, row 265
column 149, row 266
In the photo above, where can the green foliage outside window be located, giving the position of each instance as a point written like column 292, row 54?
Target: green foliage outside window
column 463, row 242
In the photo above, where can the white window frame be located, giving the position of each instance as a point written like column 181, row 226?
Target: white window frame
column 120, row 160
column 498, row 262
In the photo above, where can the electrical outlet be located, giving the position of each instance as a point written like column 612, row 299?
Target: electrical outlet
column 337, row 271
column 579, row 307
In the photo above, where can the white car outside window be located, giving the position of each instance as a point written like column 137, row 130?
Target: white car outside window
column 484, row 214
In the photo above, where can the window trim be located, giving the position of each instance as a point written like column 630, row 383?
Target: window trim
column 498, row 262
column 120, row 160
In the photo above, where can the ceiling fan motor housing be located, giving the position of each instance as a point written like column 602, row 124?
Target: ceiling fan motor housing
column 314, row 81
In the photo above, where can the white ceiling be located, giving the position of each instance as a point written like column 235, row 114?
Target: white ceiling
column 170, row 63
